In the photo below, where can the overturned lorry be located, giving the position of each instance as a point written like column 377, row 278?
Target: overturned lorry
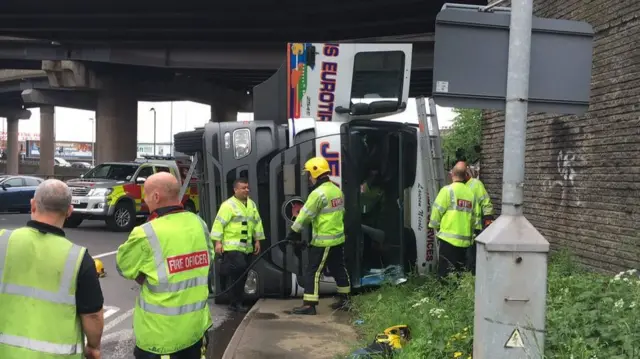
column 329, row 100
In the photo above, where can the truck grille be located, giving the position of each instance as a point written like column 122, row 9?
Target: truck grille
column 79, row 191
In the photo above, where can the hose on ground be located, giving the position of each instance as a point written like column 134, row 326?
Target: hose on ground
column 229, row 287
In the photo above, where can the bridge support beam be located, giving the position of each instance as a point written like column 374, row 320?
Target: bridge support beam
column 47, row 141
column 84, row 100
column 116, row 125
column 13, row 117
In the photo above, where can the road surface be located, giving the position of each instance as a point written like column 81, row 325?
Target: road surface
column 120, row 294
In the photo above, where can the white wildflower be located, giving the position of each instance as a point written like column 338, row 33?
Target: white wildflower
column 436, row 312
column 619, row 303
column 420, row 302
column 632, row 305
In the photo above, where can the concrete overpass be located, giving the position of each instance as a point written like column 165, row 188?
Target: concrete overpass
column 229, row 66
column 205, row 24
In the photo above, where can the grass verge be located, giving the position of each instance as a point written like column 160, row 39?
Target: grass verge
column 589, row 315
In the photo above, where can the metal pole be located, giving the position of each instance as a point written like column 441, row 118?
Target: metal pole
column 516, row 106
column 154, row 130
column 511, row 260
column 171, row 131
column 93, row 142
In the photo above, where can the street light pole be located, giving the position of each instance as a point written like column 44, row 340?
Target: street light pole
column 154, row 130
column 93, row 142
column 171, row 131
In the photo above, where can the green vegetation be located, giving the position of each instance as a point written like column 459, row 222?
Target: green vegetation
column 462, row 140
column 588, row 315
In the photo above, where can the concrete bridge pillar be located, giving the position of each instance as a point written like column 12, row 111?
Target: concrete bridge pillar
column 13, row 117
column 13, row 147
column 116, row 125
column 47, row 141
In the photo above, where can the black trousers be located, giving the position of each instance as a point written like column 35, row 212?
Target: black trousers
column 452, row 259
column 471, row 258
column 233, row 264
column 193, row 352
column 319, row 257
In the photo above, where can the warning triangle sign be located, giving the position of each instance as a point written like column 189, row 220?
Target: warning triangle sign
column 515, row 340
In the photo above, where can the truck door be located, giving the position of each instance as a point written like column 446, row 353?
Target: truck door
column 378, row 171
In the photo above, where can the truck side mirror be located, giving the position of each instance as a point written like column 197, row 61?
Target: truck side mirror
column 141, row 180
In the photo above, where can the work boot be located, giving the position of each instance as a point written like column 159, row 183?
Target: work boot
column 342, row 302
column 238, row 307
column 304, row 310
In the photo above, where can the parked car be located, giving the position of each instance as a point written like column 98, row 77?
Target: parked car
column 16, row 192
column 86, row 165
column 61, row 162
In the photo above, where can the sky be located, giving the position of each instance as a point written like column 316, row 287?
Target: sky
column 73, row 125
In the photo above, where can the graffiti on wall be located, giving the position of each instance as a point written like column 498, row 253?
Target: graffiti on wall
column 568, row 162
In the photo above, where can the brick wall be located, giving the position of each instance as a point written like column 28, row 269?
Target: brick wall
column 582, row 187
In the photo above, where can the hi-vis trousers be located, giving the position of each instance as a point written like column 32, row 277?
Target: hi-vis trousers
column 319, row 257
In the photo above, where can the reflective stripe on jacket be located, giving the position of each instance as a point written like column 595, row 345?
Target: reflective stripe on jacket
column 38, row 274
column 482, row 196
column 325, row 209
column 237, row 225
column 173, row 252
column 455, row 213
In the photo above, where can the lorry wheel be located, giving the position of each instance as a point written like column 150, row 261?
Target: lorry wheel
column 190, row 207
column 123, row 218
column 189, row 142
column 73, row 222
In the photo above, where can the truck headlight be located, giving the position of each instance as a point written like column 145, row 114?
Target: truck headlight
column 251, row 284
column 100, row 192
column 241, row 143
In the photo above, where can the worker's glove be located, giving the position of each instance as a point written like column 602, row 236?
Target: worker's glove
column 294, row 237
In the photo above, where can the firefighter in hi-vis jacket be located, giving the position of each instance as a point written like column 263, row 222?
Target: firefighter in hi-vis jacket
column 169, row 256
column 455, row 215
column 325, row 209
column 237, row 231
